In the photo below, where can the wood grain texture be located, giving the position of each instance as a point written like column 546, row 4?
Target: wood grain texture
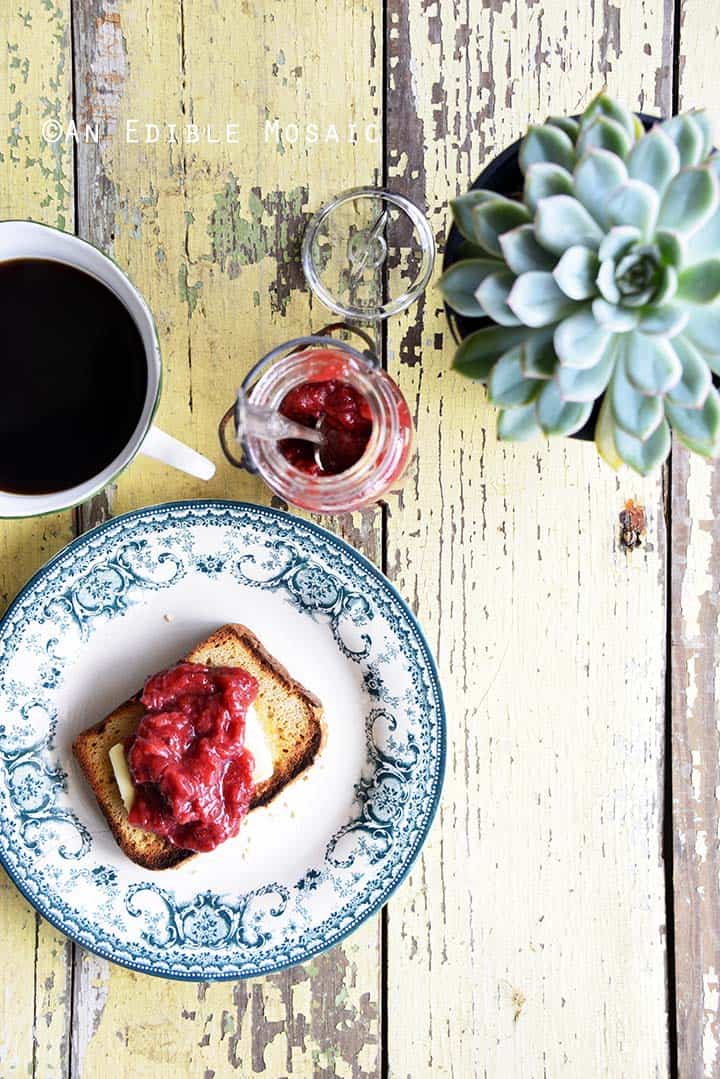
column 696, row 761
column 210, row 232
column 530, row 940
column 36, row 181
column 695, row 516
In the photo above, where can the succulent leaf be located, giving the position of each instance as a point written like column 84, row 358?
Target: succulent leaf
column 703, row 331
column 492, row 296
column 651, row 363
column 604, row 105
column 537, row 300
column 670, row 247
column 559, row 417
column 700, row 284
column 567, row 124
column 561, row 222
column 694, row 386
column 687, row 136
column 491, row 219
column 602, row 133
column 468, row 250
column 462, row 207
column 634, row 203
column 586, row 383
column 704, row 242
column 576, row 273
column 579, row 340
column 522, row 252
column 481, row 350
column 606, row 282
column 605, row 435
column 546, row 143
column 654, row 159
column 460, row 282
column 596, row 175
column 669, row 320
column 518, row 424
column 700, row 119
column 538, row 354
column 697, row 427
column 643, row 457
column 507, row 386
column 614, row 318
column 666, row 286
column 634, row 411
column 545, row 179
column 617, row 241
column 690, row 199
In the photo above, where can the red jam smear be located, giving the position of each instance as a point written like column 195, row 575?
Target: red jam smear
column 346, row 423
column 193, row 775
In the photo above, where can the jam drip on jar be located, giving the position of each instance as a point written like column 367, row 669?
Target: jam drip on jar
column 193, row 775
column 341, row 413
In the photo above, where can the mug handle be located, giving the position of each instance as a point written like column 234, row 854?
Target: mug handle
column 171, row 451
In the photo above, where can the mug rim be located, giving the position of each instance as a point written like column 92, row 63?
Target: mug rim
column 14, row 505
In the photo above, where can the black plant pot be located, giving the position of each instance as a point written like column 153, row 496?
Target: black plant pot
column 504, row 176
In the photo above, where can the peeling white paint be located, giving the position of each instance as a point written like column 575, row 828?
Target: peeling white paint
column 711, row 995
column 696, row 775
column 701, row 847
column 91, row 991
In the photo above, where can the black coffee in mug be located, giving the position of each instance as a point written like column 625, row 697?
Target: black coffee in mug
column 73, row 376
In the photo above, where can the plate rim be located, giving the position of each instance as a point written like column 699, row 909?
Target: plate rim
column 384, row 581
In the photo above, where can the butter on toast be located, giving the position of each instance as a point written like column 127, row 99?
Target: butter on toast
column 291, row 718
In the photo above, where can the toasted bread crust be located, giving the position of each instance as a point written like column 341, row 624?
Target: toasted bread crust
column 290, row 714
column 307, row 753
column 91, row 749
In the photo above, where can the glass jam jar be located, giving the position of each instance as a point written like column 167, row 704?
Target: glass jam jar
column 370, row 433
column 321, row 421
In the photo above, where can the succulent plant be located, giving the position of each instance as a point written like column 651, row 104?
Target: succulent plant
column 601, row 280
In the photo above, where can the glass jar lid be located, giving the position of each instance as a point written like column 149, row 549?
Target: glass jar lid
column 368, row 254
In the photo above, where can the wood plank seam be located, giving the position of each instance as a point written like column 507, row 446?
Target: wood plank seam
column 668, row 842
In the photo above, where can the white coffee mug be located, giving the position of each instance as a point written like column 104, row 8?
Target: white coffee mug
column 27, row 240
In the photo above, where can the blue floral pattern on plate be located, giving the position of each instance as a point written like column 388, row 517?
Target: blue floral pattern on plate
column 46, row 843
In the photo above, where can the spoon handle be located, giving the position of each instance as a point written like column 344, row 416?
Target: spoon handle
column 268, row 424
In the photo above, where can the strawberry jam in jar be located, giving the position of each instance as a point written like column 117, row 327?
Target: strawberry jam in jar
column 329, row 386
column 341, row 412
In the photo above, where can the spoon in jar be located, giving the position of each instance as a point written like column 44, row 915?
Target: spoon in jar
column 271, row 426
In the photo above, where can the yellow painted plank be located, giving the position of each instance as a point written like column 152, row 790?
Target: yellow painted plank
column 530, row 938
column 36, row 179
column 210, row 232
column 695, row 519
column 36, row 182
column 274, row 1026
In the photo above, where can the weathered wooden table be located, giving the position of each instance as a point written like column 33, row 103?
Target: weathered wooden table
column 563, row 919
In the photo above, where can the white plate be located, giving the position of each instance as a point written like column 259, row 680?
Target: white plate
column 130, row 598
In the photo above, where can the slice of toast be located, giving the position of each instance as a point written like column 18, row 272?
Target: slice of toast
column 290, row 715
